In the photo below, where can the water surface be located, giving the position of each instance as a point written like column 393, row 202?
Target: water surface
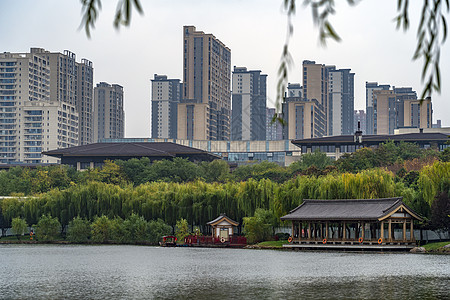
column 140, row 272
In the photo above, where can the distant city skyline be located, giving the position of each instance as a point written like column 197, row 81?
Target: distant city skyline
column 253, row 30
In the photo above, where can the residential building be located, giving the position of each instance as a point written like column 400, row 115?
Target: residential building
column 30, row 121
column 205, row 109
column 340, row 101
column 359, row 117
column 370, row 87
column 437, row 125
column 248, row 116
column 72, row 82
column 402, row 94
column 45, row 126
column 303, row 118
column 396, row 108
column 109, row 115
column 384, row 112
column 418, row 113
column 274, row 129
column 166, row 95
column 315, row 85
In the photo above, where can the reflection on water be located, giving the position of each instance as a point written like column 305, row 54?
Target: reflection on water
column 118, row 272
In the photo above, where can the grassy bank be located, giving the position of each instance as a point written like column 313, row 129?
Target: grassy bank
column 437, row 247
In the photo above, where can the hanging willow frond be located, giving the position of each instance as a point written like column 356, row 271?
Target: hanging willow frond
column 431, row 35
column 91, row 8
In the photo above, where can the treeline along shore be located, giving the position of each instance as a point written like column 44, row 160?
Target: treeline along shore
column 179, row 189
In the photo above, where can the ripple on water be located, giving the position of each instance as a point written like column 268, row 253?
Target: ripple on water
column 137, row 272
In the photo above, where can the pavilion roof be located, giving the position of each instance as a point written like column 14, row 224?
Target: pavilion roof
column 221, row 218
column 348, row 209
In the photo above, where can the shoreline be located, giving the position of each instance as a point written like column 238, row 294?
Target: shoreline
column 441, row 251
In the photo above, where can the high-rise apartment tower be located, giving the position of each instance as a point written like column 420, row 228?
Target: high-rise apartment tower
column 248, row 117
column 166, row 95
column 205, row 109
column 109, row 116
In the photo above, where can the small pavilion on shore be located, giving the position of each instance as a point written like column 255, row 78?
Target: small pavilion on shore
column 222, row 227
column 379, row 222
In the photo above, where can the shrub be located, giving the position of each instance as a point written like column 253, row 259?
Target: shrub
column 19, row 226
column 79, row 230
column 48, row 228
column 135, row 228
column 101, row 229
column 181, row 229
column 158, row 229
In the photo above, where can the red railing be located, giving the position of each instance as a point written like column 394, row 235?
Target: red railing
column 209, row 240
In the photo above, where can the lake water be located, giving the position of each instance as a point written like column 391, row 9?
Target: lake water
column 140, row 272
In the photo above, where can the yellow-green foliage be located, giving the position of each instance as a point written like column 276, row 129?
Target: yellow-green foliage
column 199, row 202
column 431, row 177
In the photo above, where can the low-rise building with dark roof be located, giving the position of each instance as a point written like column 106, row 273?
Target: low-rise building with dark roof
column 362, row 222
column 336, row 146
column 94, row 155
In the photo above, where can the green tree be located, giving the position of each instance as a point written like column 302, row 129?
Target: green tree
column 136, row 228
column 79, row 230
column 112, row 173
column 259, row 227
column 101, row 229
column 181, row 229
column 137, row 171
column 440, row 208
column 317, row 159
column 216, row 171
column 48, row 228
column 157, row 229
column 19, row 226
column 445, row 155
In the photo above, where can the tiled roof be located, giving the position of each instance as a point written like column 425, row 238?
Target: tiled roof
column 407, row 137
column 355, row 209
column 223, row 216
column 144, row 149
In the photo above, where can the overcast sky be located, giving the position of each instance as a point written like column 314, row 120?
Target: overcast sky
column 254, row 30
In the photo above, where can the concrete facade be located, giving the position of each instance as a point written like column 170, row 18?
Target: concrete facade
column 109, row 115
column 304, row 119
column 274, row 130
column 370, row 87
column 390, row 109
column 340, row 102
column 29, row 121
column 206, row 92
column 72, row 82
column 418, row 113
column 248, row 118
column 166, row 95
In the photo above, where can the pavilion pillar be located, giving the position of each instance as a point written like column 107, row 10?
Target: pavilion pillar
column 299, row 228
column 91, row 164
column 382, row 230
column 78, row 166
column 292, row 229
column 326, row 230
column 390, row 230
column 362, row 229
column 404, row 230
column 344, row 233
column 411, row 237
column 309, row 230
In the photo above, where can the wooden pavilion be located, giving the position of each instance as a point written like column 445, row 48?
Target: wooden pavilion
column 366, row 222
column 222, row 227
